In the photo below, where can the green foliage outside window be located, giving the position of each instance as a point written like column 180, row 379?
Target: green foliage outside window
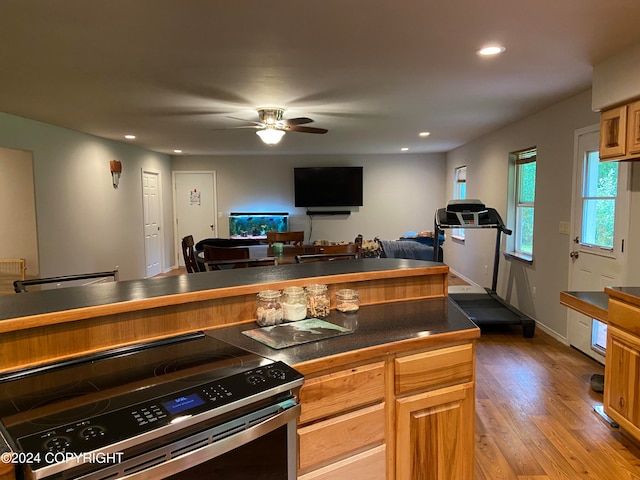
column 599, row 201
column 526, row 195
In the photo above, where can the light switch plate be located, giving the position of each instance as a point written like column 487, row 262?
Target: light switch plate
column 565, row 228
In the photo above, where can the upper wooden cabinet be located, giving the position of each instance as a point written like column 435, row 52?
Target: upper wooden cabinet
column 633, row 129
column 620, row 133
column 613, row 132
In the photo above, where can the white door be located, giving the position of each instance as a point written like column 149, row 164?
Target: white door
column 152, row 222
column 599, row 228
column 195, row 207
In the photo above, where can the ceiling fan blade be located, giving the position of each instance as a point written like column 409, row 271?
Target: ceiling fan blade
column 259, row 124
column 255, row 127
column 297, row 128
column 297, row 121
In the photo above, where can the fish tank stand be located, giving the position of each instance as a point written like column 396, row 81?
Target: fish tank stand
column 252, row 225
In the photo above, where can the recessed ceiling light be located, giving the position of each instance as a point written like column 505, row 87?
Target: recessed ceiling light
column 404, row 149
column 490, row 50
column 424, row 134
column 177, row 151
column 130, row 137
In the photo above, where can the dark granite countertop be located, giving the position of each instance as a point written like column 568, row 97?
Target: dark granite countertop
column 372, row 325
column 627, row 294
column 592, row 304
column 69, row 298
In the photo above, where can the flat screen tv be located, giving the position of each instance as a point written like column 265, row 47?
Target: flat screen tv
column 328, row 186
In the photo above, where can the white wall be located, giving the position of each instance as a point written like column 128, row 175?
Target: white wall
column 401, row 192
column 487, row 159
column 615, row 80
column 18, row 233
column 83, row 223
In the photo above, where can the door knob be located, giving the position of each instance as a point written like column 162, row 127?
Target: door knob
column 574, row 254
column 211, row 226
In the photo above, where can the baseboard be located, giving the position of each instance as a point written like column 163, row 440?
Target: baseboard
column 470, row 282
column 552, row 333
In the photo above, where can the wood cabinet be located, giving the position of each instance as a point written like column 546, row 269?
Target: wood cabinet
column 342, row 424
column 406, row 416
column 633, row 128
column 622, row 366
column 435, row 414
column 620, row 132
column 622, row 377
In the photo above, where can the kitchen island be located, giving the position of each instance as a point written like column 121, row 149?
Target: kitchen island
column 394, row 399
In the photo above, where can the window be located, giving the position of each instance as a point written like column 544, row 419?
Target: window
column 599, row 191
column 525, row 196
column 459, row 193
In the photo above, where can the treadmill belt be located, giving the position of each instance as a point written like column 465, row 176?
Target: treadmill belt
column 483, row 308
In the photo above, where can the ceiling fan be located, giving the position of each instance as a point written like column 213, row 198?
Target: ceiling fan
column 272, row 126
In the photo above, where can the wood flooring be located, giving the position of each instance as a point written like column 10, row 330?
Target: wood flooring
column 534, row 414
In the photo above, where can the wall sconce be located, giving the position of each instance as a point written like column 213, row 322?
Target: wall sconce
column 116, row 170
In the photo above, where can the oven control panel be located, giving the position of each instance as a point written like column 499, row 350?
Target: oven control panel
column 109, row 428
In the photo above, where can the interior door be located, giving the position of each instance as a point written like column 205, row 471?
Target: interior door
column 152, row 222
column 195, row 207
column 599, row 228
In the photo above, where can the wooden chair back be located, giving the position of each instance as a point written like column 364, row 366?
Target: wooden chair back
column 343, row 248
column 293, row 238
column 325, row 257
column 239, row 263
column 214, row 254
column 189, row 254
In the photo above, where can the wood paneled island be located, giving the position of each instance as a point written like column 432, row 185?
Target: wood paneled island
column 392, row 400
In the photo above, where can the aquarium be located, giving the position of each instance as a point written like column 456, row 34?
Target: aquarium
column 256, row 225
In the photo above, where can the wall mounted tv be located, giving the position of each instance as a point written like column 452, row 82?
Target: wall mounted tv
column 328, row 186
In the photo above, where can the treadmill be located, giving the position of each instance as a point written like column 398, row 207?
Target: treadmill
column 483, row 308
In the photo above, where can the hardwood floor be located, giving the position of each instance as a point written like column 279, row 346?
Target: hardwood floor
column 534, row 414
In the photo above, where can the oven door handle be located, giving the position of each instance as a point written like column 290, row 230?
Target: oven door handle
column 290, row 413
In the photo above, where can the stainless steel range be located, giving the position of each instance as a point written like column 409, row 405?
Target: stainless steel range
column 187, row 407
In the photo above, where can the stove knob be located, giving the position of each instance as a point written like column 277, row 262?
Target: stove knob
column 57, row 444
column 255, row 379
column 94, row 431
column 277, row 373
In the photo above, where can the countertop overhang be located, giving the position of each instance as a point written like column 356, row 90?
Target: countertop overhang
column 115, row 297
column 591, row 304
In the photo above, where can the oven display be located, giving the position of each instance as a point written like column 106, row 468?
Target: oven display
column 183, row 403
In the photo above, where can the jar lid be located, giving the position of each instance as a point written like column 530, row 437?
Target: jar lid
column 293, row 289
column 269, row 294
column 347, row 292
column 316, row 287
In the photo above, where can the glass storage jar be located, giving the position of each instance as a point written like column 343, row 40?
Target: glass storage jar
column 317, row 301
column 294, row 304
column 347, row 300
column 268, row 308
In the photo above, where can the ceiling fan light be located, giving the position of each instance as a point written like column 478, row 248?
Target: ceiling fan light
column 270, row 136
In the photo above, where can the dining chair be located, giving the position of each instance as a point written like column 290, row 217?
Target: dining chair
column 189, row 254
column 325, row 257
column 239, row 263
column 293, row 238
column 340, row 248
column 230, row 254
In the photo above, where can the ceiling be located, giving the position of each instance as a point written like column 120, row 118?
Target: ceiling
column 373, row 72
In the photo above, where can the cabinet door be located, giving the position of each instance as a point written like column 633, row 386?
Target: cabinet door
column 633, row 129
column 435, row 434
column 622, row 387
column 613, row 129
